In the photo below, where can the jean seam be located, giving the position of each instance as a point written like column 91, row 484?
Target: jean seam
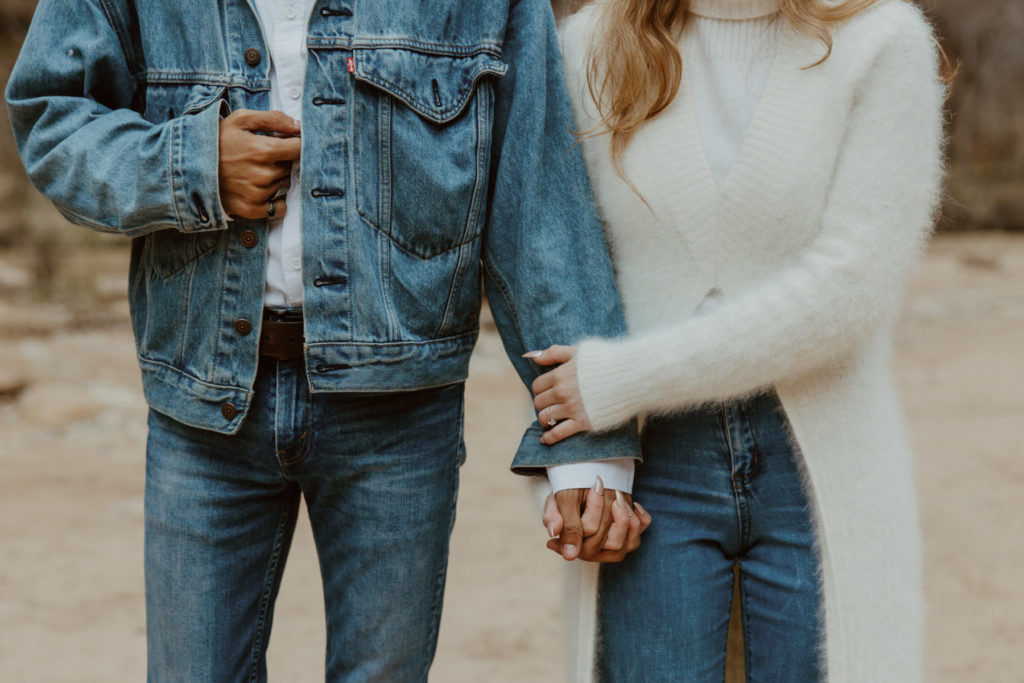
column 750, row 425
column 746, row 626
column 268, row 589
column 438, row 602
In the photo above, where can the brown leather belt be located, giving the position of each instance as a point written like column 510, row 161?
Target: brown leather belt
column 281, row 335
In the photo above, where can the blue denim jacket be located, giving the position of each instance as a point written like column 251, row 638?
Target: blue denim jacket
column 437, row 151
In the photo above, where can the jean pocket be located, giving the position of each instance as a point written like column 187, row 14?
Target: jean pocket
column 423, row 156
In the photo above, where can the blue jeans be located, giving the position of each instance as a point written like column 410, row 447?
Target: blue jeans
column 723, row 486
column 379, row 475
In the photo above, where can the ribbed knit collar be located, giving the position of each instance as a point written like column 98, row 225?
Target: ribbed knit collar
column 734, row 9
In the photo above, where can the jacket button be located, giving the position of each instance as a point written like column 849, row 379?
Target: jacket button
column 249, row 239
column 243, row 326
column 229, row 411
column 252, row 56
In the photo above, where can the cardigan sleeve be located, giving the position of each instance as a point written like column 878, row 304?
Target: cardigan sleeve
column 843, row 287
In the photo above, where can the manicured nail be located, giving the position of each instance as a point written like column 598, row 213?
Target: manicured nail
column 640, row 508
column 620, row 500
column 569, row 551
column 551, row 529
column 533, row 354
column 598, row 486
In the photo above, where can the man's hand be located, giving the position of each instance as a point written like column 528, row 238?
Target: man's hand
column 607, row 529
column 254, row 170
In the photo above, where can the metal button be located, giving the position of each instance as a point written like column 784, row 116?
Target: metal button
column 252, row 56
column 249, row 239
column 229, row 411
column 243, row 326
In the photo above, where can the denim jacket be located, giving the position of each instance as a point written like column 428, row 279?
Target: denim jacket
column 436, row 151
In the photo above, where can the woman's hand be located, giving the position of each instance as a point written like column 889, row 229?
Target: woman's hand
column 556, row 395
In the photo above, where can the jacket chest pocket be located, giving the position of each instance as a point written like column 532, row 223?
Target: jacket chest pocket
column 422, row 159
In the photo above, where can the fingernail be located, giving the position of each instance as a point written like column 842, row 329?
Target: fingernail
column 620, row 500
column 532, row 354
column 640, row 508
column 598, row 486
column 569, row 550
column 551, row 529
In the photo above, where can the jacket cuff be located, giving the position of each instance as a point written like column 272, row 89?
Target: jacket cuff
column 607, row 378
column 533, row 457
column 616, row 474
column 194, row 171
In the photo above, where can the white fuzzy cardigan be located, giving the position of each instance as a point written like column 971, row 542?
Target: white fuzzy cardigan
column 810, row 241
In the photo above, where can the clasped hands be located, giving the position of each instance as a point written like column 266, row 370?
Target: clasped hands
column 596, row 524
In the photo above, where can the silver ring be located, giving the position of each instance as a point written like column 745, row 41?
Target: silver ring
column 551, row 421
column 278, row 193
column 272, row 209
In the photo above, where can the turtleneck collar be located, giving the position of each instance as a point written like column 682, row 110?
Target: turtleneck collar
column 734, row 9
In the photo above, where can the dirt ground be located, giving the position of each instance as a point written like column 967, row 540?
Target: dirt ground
column 72, row 421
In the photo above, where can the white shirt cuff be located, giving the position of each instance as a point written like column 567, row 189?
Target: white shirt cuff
column 616, row 474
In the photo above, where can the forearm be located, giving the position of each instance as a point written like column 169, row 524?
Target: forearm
column 547, row 269
column 101, row 162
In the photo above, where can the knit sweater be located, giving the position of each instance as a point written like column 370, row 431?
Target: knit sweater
column 807, row 245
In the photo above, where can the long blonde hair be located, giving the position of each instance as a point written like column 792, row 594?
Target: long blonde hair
column 634, row 68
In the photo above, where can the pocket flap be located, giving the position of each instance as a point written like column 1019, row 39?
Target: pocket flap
column 437, row 87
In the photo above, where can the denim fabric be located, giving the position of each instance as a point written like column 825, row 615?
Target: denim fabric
column 436, row 152
column 722, row 485
column 379, row 476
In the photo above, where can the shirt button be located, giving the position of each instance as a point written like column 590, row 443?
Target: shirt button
column 294, row 93
column 252, row 56
column 243, row 326
column 249, row 239
column 229, row 411
column 290, row 11
column 297, row 264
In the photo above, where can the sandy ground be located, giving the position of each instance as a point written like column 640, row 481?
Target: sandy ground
column 71, row 453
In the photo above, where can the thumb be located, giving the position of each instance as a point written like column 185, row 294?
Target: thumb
column 553, row 355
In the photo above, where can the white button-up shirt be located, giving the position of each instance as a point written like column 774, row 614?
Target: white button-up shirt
column 284, row 27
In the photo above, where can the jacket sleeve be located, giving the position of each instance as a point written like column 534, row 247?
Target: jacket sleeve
column 74, row 102
column 843, row 289
column 547, row 271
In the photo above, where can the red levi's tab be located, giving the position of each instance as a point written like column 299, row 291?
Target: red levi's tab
column 351, row 65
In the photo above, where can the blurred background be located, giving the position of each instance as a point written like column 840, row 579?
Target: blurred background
column 72, row 428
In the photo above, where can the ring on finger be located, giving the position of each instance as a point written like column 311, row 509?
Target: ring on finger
column 279, row 192
column 271, row 208
column 551, row 421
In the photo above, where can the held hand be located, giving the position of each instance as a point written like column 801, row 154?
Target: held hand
column 609, row 527
column 557, row 395
column 255, row 170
